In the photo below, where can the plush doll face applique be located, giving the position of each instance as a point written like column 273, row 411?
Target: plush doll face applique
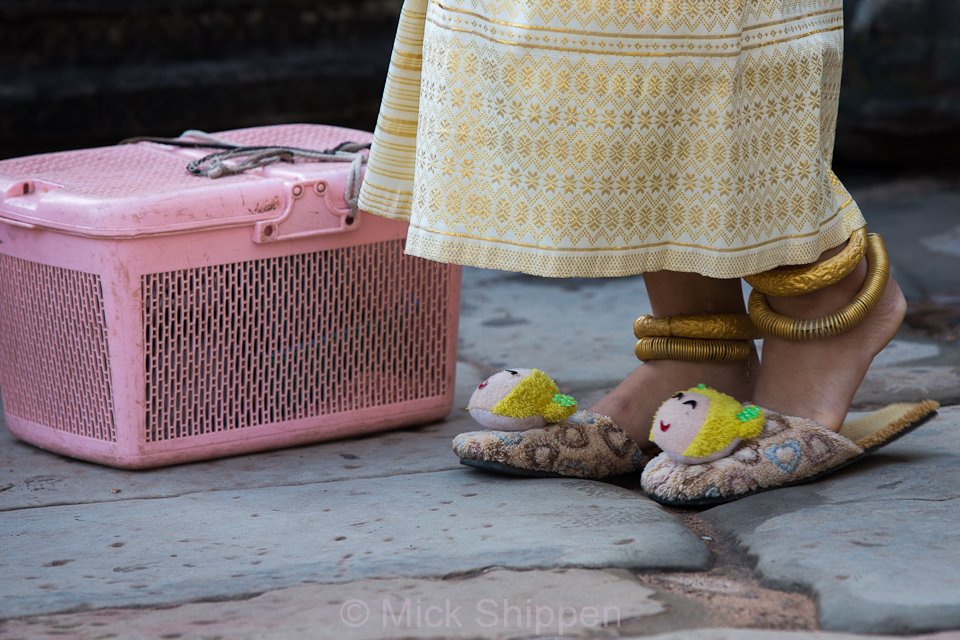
column 519, row 399
column 678, row 421
column 701, row 424
column 490, row 392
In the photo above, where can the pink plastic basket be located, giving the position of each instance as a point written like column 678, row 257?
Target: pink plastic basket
column 150, row 317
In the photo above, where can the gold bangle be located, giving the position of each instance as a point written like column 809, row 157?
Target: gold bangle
column 852, row 314
column 795, row 281
column 720, row 326
column 692, row 349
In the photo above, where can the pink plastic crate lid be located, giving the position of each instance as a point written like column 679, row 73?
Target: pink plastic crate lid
column 144, row 189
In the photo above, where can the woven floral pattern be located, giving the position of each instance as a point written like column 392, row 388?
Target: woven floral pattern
column 613, row 137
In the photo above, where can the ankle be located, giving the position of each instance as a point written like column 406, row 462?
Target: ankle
column 633, row 402
column 817, row 379
column 823, row 301
column 737, row 372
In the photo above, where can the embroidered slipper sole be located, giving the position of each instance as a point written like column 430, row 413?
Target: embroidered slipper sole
column 505, row 469
column 868, row 433
column 880, row 428
column 587, row 445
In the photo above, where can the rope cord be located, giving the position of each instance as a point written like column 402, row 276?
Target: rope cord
column 245, row 157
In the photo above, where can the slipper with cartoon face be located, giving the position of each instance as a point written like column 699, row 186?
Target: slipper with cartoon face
column 533, row 430
column 716, row 450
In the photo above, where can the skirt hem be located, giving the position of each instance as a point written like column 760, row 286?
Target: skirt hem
column 439, row 248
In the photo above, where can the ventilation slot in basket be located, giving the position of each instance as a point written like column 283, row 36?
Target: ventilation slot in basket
column 279, row 339
column 55, row 367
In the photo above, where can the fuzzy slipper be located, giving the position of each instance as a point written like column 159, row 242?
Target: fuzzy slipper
column 788, row 451
column 586, row 445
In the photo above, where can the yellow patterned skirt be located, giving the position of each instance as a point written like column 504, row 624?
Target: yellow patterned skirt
column 613, row 137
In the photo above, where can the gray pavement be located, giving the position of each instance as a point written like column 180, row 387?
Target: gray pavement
column 877, row 543
column 387, row 536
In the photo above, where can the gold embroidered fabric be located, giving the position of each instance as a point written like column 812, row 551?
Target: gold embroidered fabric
column 613, row 137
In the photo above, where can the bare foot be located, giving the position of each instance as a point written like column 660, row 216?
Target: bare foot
column 634, row 401
column 817, row 379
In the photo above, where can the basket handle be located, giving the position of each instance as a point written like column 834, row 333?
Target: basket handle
column 17, row 223
column 246, row 157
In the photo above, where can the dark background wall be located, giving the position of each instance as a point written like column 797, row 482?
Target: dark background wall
column 900, row 100
column 83, row 72
column 89, row 72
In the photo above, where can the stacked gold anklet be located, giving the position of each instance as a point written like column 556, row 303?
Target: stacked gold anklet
column 795, row 281
column 803, row 280
column 717, row 338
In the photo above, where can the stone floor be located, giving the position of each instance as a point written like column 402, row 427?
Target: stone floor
column 387, row 536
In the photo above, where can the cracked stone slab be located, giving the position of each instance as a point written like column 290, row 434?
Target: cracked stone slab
column 780, row 634
column 877, row 543
column 947, row 243
column 498, row 604
column 884, row 385
column 219, row 544
column 577, row 330
column 919, row 227
column 900, row 351
column 30, row 477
